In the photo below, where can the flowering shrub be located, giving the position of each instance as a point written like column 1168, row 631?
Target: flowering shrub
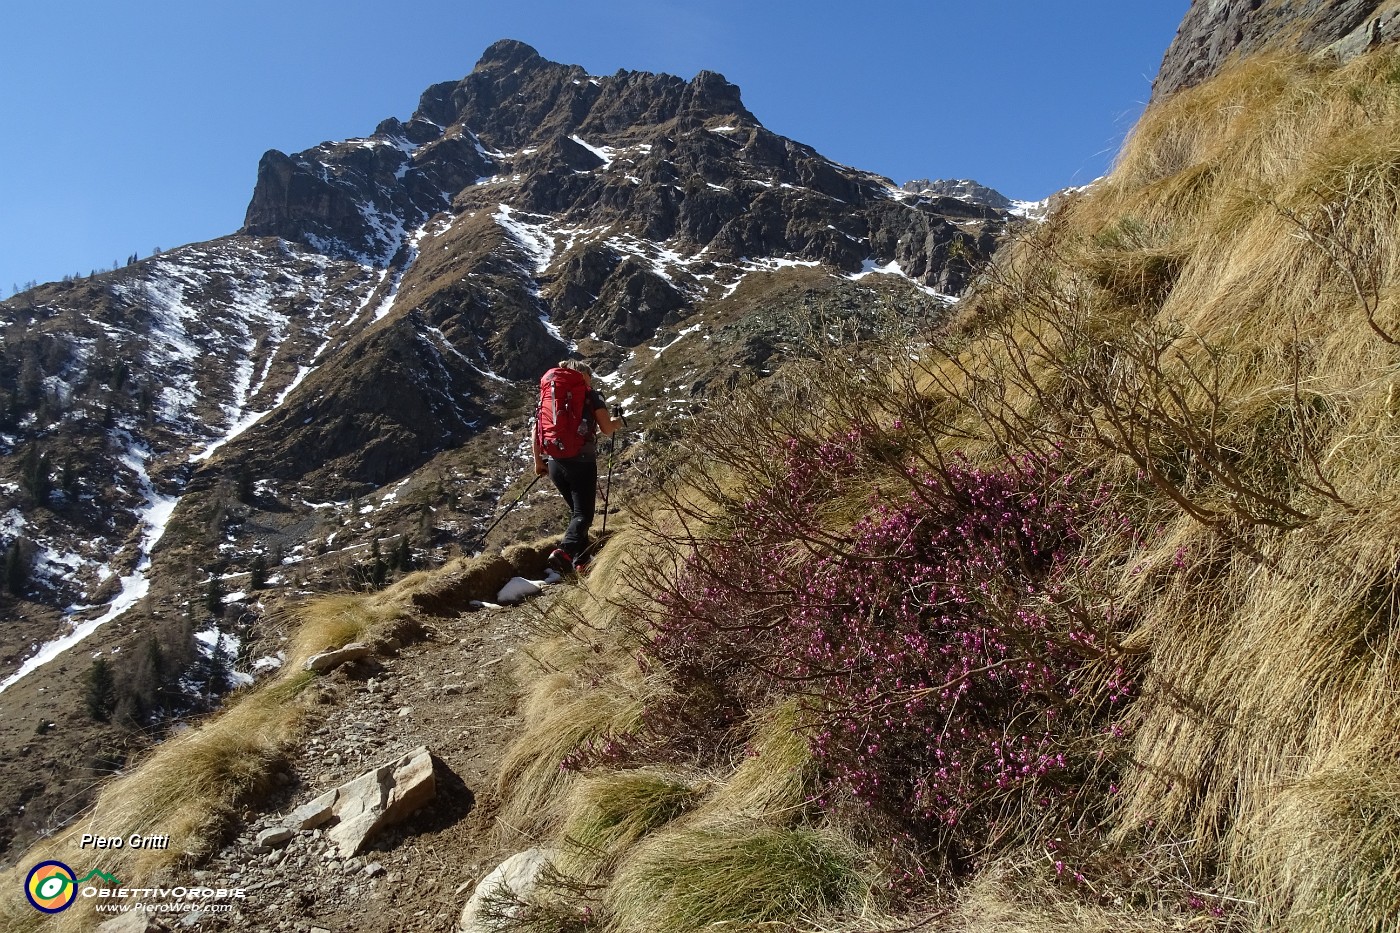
column 941, row 658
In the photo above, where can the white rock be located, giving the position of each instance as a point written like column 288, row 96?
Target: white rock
column 516, row 589
column 361, row 807
column 517, row 876
column 380, row 798
column 276, row 836
column 329, row 660
column 313, row 814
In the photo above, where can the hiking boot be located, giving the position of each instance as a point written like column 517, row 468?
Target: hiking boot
column 581, row 565
column 561, row 561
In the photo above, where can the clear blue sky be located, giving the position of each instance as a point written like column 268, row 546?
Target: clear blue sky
column 132, row 125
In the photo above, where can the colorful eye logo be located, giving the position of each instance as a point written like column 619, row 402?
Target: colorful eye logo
column 50, row 887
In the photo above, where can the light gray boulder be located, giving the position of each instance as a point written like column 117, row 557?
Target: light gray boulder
column 361, row 807
column 515, row 878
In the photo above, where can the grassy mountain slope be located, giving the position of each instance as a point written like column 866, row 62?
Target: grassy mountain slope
column 1078, row 614
column 1194, row 361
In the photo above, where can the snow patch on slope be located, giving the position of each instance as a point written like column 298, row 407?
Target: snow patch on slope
column 871, row 267
column 606, row 153
column 154, row 518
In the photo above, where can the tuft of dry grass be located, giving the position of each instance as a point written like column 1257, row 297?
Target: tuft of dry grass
column 582, row 687
column 609, row 812
column 743, row 876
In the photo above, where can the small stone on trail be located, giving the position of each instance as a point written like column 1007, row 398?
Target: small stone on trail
column 376, row 799
column 275, row 837
column 328, row 661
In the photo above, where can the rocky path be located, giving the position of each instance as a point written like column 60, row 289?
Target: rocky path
column 451, row 693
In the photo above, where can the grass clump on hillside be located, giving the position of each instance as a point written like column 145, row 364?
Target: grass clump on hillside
column 740, row 876
column 610, row 812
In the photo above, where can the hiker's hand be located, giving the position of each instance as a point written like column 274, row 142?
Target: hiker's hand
column 541, row 469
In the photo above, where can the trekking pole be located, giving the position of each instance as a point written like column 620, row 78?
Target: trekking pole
column 518, row 499
column 612, row 457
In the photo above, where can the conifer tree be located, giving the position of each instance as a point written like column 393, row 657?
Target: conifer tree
column 257, row 573
column 243, row 483
column 16, row 569
column 214, row 673
column 158, row 683
column 214, row 595
column 100, row 694
column 378, row 569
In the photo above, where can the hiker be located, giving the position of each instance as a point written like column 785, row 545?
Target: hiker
column 570, row 416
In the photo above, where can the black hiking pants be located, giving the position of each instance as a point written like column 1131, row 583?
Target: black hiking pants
column 577, row 482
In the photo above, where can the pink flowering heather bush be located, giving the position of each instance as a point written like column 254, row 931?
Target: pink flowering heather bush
column 951, row 676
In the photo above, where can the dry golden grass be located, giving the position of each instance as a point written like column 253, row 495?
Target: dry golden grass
column 1003, row 902
column 1268, row 682
column 609, row 812
column 741, row 876
column 581, row 688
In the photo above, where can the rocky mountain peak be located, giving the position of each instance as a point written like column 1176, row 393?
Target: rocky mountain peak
column 508, row 55
column 1216, row 32
column 964, row 189
column 710, row 94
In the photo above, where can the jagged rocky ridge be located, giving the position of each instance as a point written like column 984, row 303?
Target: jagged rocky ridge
column 1216, row 32
column 354, row 363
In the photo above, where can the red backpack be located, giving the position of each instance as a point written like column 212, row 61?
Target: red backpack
column 561, row 422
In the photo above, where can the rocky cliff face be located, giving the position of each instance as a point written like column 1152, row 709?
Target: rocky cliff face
column 962, row 189
column 188, row 440
column 1216, row 32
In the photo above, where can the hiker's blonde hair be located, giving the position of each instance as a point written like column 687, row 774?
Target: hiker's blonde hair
column 578, row 366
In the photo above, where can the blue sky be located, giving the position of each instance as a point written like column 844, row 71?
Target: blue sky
column 129, row 126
